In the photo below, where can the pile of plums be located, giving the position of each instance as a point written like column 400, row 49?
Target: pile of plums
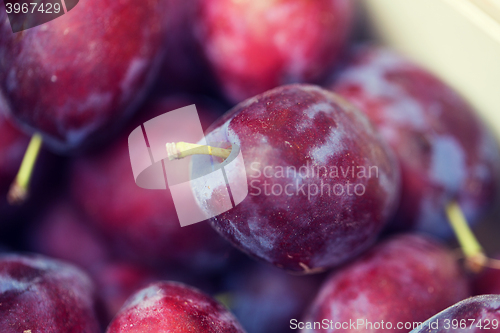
column 352, row 156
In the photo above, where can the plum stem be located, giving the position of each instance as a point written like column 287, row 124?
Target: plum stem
column 178, row 150
column 475, row 258
column 19, row 190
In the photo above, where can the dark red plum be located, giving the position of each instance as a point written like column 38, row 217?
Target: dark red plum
column 139, row 224
column 404, row 280
column 475, row 314
column 445, row 151
column 255, row 45
column 321, row 183
column 38, row 294
column 264, row 298
column 173, row 307
column 80, row 74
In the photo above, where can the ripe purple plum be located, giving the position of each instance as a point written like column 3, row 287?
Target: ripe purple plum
column 139, row 224
column 475, row 314
column 322, row 184
column 255, row 45
column 445, row 152
column 405, row 279
column 38, row 294
column 76, row 77
column 173, row 307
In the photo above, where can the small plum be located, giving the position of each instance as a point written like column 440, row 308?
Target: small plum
column 13, row 144
column 472, row 315
column 38, row 294
column 322, row 184
column 256, row 45
column 405, row 279
column 445, row 152
column 173, row 307
column 74, row 78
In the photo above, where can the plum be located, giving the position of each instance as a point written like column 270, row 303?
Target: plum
column 475, row 314
column 173, row 307
column 255, row 45
column 74, row 78
column 488, row 281
column 445, row 152
column 322, row 184
column 38, row 294
column 141, row 225
column 404, row 280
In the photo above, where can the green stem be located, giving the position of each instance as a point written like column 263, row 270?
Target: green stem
column 19, row 189
column 473, row 251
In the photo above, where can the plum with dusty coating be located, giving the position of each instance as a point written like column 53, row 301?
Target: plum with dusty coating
column 256, row 45
column 173, row 307
column 38, row 294
column 404, row 280
column 321, row 183
column 445, row 152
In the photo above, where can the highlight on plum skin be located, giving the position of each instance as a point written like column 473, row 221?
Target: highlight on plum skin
column 445, row 151
column 303, row 127
column 256, row 45
column 472, row 315
column 38, row 294
column 173, row 307
column 406, row 279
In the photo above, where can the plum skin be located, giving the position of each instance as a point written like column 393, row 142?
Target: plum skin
column 445, row 152
column 173, row 307
column 405, row 279
column 39, row 294
column 256, row 45
column 300, row 125
column 83, row 72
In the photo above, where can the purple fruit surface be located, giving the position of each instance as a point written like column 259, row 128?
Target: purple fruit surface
column 256, row 45
column 78, row 75
column 405, row 279
column 473, row 315
column 173, row 307
column 445, row 151
column 38, row 294
column 321, row 183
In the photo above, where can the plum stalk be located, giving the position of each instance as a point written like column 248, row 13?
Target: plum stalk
column 19, row 190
